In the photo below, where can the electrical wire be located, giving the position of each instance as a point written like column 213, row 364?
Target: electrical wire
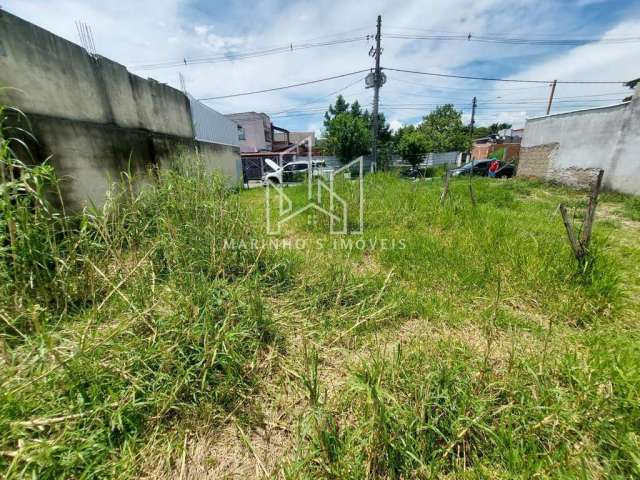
column 511, row 102
column 446, row 87
column 315, row 100
column 233, row 56
column 285, row 86
column 491, row 79
column 469, row 37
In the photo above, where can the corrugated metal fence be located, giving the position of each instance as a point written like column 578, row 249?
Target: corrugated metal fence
column 211, row 126
column 445, row 158
column 431, row 159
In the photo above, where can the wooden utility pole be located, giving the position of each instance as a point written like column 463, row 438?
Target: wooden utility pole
column 473, row 117
column 553, row 91
column 377, row 78
column 471, row 125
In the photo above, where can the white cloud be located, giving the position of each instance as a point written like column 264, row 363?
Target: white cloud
column 395, row 125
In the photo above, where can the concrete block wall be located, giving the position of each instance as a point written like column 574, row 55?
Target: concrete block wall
column 92, row 117
column 535, row 161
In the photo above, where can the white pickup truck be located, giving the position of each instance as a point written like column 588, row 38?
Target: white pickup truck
column 293, row 172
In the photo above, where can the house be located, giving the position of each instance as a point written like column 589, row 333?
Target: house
column 296, row 137
column 260, row 139
column 255, row 131
column 507, row 140
column 511, row 135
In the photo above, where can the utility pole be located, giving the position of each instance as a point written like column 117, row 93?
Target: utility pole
column 472, row 123
column 377, row 78
column 553, row 91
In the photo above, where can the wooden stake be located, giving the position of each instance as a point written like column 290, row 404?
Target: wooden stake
column 580, row 248
column 575, row 246
column 553, row 91
column 472, row 193
column 590, row 214
column 445, row 189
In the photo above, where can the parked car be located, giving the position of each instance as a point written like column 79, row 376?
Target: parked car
column 480, row 168
column 507, row 170
column 412, row 172
column 293, row 172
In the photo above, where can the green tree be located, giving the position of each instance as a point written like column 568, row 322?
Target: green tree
column 412, row 146
column 384, row 129
column 356, row 110
column 341, row 106
column 401, row 132
column 483, row 131
column 348, row 136
column 444, row 130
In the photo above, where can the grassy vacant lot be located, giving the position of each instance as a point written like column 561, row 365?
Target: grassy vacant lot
column 468, row 346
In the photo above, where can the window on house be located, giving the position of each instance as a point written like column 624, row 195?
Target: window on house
column 241, row 135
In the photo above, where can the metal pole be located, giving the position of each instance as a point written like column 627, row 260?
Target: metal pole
column 553, row 91
column 376, row 94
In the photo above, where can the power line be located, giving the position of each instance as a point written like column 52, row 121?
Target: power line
column 233, row 56
column 458, row 32
column 285, row 86
column 469, row 37
column 523, row 101
column 490, row 79
column 535, row 104
column 315, row 100
column 447, row 87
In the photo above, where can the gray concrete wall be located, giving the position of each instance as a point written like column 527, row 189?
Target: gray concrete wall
column 89, row 156
column 91, row 116
column 571, row 147
column 58, row 78
column 225, row 158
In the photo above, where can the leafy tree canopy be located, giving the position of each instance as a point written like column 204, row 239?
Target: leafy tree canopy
column 348, row 136
column 484, row 131
column 340, row 106
column 355, row 111
column 412, row 146
column 443, row 130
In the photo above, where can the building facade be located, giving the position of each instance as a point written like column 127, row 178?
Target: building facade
column 255, row 133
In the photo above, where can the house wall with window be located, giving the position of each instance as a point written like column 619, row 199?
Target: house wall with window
column 254, row 132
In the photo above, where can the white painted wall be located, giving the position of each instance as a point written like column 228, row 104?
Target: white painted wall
column 607, row 138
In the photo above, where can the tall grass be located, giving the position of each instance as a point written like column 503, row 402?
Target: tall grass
column 118, row 321
column 424, row 412
column 507, row 365
column 469, row 346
